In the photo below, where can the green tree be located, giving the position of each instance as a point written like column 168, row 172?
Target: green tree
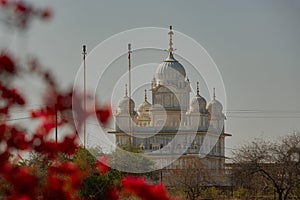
column 130, row 161
column 192, row 178
column 39, row 162
column 95, row 185
column 84, row 159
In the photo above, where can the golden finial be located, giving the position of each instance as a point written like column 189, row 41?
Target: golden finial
column 198, row 88
column 145, row 97
column 170, row 42
column 126, row 90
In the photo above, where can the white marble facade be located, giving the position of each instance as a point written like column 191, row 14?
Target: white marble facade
column 172, row 123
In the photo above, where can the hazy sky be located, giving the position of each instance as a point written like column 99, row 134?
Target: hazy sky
column 255, row 44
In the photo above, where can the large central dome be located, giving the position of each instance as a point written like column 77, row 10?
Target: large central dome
column 170, row 69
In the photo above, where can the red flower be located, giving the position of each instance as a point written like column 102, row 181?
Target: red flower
column 63, row 181
column 5, row 166
column 12, row 95
column 102, row 165
column 68, row 145
column 21, row 7
column 103, row 114
column 19, row 197
column 46, row 14
column 4, row 110
column 6, row 63
column 46, row 112
column 17, row 140
column 3, row 129
column 3, row 3
column 112, row 194
column 139, row 187
column 23, row 182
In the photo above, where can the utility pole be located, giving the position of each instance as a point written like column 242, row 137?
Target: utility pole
column 129, row 91
column 84, row 96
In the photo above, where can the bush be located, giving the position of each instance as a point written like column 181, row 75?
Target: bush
column 56, row 169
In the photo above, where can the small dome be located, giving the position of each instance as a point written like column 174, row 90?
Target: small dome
column 170, row 69
column 123, row 104
column 198, row 103
column 215, row 107
column 145, row 106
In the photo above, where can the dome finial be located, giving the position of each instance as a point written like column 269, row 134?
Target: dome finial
column 198, row 88
column 214, row 93
column 145, row 97
column 126, row 94
column 170, row 50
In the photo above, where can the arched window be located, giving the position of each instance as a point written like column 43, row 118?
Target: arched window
column 195, row 145
column 160, row 123
column 142, row 146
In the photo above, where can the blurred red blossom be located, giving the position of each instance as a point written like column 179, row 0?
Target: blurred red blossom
column 21, row 7
column 3, row 3
column 11, row 95
column 112, row 194
column 103, row 114
column 142, row 189
column 46, row 14
column 62, row 178
column 6, row 63
column 102, row 165
column 23, row 12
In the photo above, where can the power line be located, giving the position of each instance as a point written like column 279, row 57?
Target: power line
column 15, row 119
column 264, row 117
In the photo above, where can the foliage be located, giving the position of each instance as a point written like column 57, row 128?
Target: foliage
column 95, row 186
column 265, row 166
column 99, row 179
column 130, row 161
column 241, row 193
column 55, row 169
column 211, row 193
column 192, row 178
column 84, row 159
column 139, row 187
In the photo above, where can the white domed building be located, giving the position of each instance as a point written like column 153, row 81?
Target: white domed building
column 125, row 111
column 143, row 119
column 173, row 123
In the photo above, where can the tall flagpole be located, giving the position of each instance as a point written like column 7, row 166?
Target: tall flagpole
column 129, row 91
column 84, row 95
